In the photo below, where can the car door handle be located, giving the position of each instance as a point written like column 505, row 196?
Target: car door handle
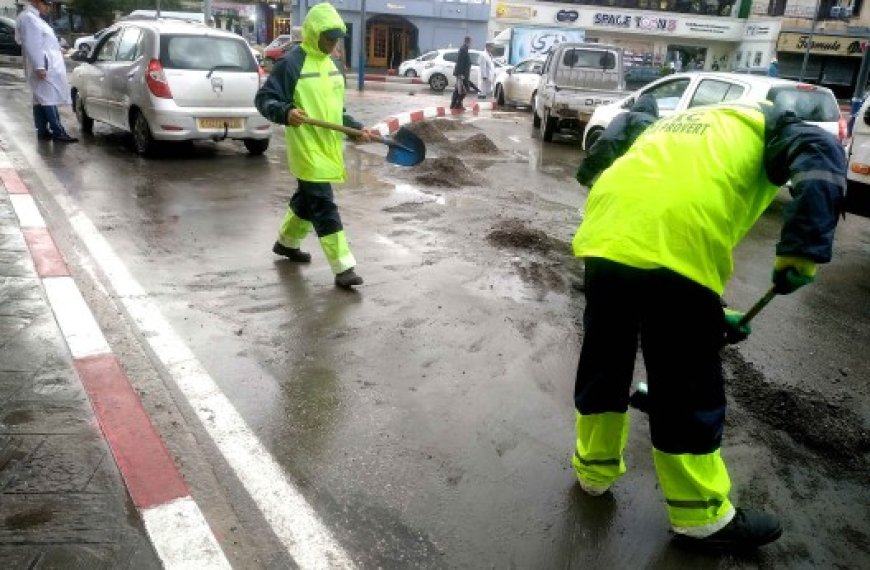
column 131, row 75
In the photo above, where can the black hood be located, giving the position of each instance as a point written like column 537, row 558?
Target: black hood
column 646, row 103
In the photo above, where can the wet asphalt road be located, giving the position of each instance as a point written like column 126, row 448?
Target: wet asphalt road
column 428, row 417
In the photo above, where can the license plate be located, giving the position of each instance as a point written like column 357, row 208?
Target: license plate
column 218, row 123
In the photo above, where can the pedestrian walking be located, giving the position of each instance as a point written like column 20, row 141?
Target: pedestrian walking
column 45, row 71
column 487, row 73
column 306, row 83
column 462, row 72
column 773, row 68
column 617, row 138
column 657, row 237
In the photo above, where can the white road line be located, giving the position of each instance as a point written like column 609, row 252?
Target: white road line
column 293, row 520
column 182, row 537
column 82, row 333
column 26, row 210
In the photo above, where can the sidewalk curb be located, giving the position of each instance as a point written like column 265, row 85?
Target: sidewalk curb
column 174, row 523
column 392, row 124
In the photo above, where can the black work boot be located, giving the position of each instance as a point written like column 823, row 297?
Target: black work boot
column 746, row 531
column 348, row 279
column 291, row 253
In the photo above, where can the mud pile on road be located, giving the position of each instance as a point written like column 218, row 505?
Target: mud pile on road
column 445, row 125
column 514, row 233
column 475, row 144
column 427, row 131
column 445, row 172
column 827, row 427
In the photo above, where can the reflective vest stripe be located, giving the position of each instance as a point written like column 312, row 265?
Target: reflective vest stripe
column 596, row 461
column 694, row 504
column 308, row 75
column 821, row 175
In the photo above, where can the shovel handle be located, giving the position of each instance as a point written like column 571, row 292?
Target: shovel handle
column 341, row 128
column 756, row 308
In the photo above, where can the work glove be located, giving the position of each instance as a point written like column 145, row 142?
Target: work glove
column 734, row 331
column 792, row 273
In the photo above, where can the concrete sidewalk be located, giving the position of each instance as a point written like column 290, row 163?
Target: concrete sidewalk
column 63, row 502
column 85, row 480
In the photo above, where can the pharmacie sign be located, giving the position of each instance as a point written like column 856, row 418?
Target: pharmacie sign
column 820, row 44
column 629, row 21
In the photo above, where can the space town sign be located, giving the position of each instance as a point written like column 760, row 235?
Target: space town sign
column 629, row 21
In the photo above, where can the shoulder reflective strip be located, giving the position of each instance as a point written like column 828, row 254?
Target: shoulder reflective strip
column 307, row 75
column 596, row 461
column 336, row 72
column 694, row 504
column 820, row 175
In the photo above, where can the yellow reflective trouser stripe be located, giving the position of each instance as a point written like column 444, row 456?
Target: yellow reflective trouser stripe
column 337, row 252
column 293, row 230
column 600, row 442
column 696, row 489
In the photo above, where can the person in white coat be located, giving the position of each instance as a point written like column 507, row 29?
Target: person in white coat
column 487, row 74
column 45, row 71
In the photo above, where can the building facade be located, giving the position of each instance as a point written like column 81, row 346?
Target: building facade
column 712, row 34
column 396, row 30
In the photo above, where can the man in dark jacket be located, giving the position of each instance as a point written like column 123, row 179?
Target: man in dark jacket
column 462, row 72
column 617, row 138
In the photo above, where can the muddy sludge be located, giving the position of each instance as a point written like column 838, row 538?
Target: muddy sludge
column 475, row 144
column 828, row 428
column 444, row 172
column 427, row 131
column 514, row 233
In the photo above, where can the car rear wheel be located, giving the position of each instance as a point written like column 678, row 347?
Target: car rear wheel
column 499, row 95
column 548, row 126
column 438, row 82
column 410, row 73
column 256, row 147
column 143, row 142
column 85, row 122
column 593, row 135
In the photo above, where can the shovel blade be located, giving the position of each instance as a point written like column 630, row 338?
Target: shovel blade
column 406, row 148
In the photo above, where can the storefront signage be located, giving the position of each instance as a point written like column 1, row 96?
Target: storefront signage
column 757, row 31
column 514, row 11
column 626, row 21
column 707, row 28
column 820, row 44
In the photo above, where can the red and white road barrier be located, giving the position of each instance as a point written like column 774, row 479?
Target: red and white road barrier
column 392, row 124
column 174, row 523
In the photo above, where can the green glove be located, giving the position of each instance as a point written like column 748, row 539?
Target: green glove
column 792, row 273
column 734, row 331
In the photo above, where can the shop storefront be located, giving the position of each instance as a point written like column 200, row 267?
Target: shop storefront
column 396, row 30
column 649, row 38
column 833, row 60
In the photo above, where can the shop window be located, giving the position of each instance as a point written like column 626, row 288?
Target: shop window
column 757, row 61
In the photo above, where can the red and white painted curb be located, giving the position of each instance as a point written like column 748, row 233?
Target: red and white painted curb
column 394, row 79
column 392, row 124
column 174, row 523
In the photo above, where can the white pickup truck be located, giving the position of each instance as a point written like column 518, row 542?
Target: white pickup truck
column 577, row 77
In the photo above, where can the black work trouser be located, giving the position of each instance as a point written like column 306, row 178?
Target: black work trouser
column 314, row 202
column 680, row 325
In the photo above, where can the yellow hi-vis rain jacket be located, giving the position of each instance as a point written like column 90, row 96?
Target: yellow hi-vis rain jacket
column 683, row 195
column 307, row 79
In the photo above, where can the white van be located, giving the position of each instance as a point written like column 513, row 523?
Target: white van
column 858, row 167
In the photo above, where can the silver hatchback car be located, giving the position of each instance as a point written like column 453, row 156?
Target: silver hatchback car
column 165, row 80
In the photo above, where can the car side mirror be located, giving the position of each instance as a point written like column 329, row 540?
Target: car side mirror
column 509, row 70
column 78, row 56
column 628, row 104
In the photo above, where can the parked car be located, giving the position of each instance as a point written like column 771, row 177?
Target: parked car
column 167, row 80
column 577, row 78
column 754, row 70
column 85, row 44
column 638, row 76
column 414, row 67
column 518, row 85
column 858, row 169
column 680, row 91
column 279, row 46
column 438, row 70
column 8, row 45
